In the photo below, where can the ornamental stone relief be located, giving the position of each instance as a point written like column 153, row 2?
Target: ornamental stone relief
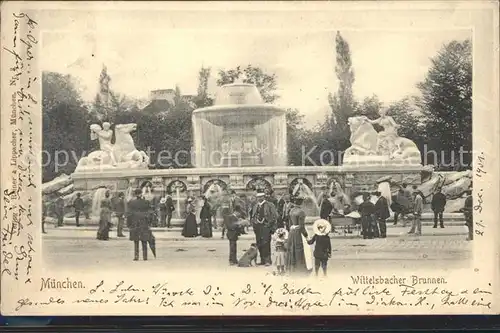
column 281, row 179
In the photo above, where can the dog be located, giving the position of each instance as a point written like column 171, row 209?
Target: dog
column 249, row 256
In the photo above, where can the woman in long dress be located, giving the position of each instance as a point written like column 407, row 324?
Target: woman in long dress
column 104, row 218
column 190, row 227
column 299, row 259
column 206, row 219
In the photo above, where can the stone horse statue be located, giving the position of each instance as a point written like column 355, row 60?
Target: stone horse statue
column 125, row 153
column 365, row 141
column 363, row 137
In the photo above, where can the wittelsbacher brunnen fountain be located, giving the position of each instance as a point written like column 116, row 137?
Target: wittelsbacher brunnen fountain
column 239, row 130
column 240, row 143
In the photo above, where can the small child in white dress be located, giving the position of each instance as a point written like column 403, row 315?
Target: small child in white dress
column 280, row 238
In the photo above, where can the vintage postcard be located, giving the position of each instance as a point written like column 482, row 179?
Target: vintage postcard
column 250, row 158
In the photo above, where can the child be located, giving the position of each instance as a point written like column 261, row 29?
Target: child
column 323, row 247
column 280, row 237
column 233, row 232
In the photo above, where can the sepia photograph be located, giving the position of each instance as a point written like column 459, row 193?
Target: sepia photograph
column 317, row 151
column 185, row 165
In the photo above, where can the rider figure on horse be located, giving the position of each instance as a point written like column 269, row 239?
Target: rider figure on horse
column 104, row 135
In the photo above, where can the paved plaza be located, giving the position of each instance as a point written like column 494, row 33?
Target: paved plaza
column 77, row 249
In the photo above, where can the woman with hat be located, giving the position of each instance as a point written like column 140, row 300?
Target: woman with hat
column 190, row 228
column 297, row 260
column 323, row 247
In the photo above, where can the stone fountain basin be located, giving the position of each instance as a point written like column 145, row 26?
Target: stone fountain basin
column 238, row 114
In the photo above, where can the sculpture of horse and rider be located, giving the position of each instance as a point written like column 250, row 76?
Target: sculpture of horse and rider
column 121, row 154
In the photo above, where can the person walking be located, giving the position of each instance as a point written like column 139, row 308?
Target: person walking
column 438, row 204
column 137, row 222
column 79, row 206
column 381, row 213
column 367, row 211
column 119, row 208
column 418, row 206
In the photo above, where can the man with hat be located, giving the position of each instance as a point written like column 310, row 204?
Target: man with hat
column 437, row 205
column 382, row 213
column 166, row 209
column 137, row 222
column 367, row 210
column 264, row 223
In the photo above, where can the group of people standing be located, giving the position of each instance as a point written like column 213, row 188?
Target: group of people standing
column 190, row 228
column 136, row 212
column 285, row 220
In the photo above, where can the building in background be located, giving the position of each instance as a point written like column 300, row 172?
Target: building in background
column 163, row 100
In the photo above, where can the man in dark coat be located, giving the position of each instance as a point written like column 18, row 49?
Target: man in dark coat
column 265, row 221
column 437, row 205
column 137, row 222
column 119, row 208
column 78, row 206
column 367, row 211
column 166, row 207
column 382, row 213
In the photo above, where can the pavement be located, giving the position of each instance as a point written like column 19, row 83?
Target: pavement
column 440, row 249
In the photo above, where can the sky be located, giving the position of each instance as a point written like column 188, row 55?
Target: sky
column 388, row 64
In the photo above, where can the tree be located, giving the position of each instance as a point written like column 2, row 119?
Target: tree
column 296, row 136
column 58, row 88
column 109, row 105
column 101, row 107
column 202, row 99
column 64, row 122
column 266, row 83
column 171, row 132
column 342, row 102
column 446, row 99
